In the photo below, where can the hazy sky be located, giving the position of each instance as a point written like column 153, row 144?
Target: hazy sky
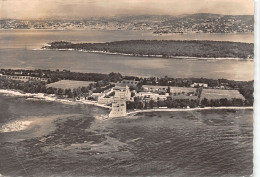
column 27, row 9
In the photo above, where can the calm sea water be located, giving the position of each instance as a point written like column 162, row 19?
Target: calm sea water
column 16, row 51
column 36, row 38
column 74, row 140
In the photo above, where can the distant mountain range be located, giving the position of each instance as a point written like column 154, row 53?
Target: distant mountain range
column 194, row 23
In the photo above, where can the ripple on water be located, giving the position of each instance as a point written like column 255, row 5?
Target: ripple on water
column 162, row 143
column 15, row 126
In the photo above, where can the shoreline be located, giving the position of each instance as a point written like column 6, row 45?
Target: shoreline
column 190, row 109
column 53, row 98
column 148, row 56
column 49, row 97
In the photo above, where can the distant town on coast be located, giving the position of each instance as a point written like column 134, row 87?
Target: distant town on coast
column 157, row 24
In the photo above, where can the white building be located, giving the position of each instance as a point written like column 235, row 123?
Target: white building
column 104, row 100
column 96, row 95
column 23, row 78
column 122, row 94
column 199, row 85
column 205, row 85
column 128, row 83
column 118, row 108
column 152, row 96
column 153, row 88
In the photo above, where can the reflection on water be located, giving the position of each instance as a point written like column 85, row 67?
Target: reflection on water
column 194, row 143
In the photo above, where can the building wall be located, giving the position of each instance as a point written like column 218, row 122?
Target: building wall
column 152, row 96
column 153, row 88
column 128, row 83
column 199, row 85
column 118, row 108
column 104, row 100
column 23, row 78
column 122, row 92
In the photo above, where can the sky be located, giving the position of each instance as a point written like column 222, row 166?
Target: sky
column 73, row 9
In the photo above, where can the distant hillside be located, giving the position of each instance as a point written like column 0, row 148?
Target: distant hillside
column 208, row 23
column 165, row 48
column 192, row 23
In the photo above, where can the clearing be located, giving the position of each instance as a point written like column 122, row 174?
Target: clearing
column 218, row 94
column 69, row 84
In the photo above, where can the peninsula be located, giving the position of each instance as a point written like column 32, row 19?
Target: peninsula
column 124, row 94
column 163, row 48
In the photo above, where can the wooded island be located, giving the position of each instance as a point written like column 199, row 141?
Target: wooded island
column 164, row 48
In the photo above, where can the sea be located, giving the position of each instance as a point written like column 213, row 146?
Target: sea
column 79, row 140
column 20, row 49
column 49, row 138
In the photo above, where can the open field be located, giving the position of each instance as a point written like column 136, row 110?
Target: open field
column 176, row 92
column 182, row 89
column 181, row 93
column 184, row 96
column 218, row 94
column 66, row 84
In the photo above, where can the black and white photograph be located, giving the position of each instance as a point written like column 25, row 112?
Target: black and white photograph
column 127, row 88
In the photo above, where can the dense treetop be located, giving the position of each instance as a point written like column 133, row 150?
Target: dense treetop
column 165, row 48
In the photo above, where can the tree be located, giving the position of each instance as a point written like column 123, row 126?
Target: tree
column 50, row 90
column 168, row 90
column 151, row 103
column 60, row 92
column 140, row 105
column 161, row 103
column 68, row 93
column 205, row 102
column 74, row 93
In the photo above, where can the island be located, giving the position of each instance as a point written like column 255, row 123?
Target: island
column 125, row 95
column 178, row 49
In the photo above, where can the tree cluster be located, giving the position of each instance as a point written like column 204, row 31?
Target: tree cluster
column 40, row 87
column 223, row 102
column 246, row 88
column 169, row 103
column 64, row 75
column 165, row 48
